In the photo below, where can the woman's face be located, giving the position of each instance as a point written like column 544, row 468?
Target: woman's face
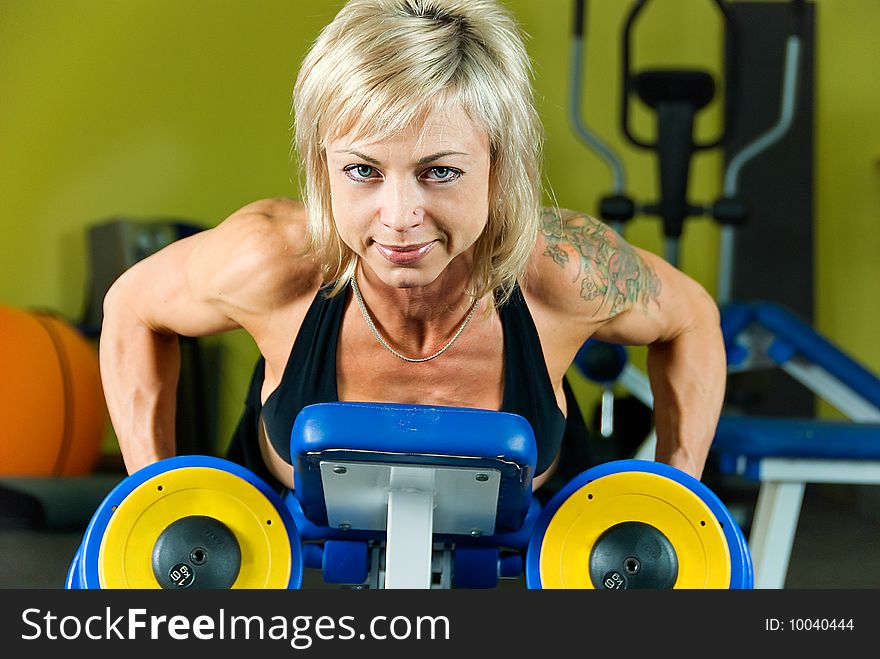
column 412, row 205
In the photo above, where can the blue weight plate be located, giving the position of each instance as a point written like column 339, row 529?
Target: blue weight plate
column 73, row 581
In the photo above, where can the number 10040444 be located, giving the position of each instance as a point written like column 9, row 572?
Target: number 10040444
column 809, row 624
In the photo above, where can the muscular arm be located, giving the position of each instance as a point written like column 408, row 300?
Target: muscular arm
column 629, row 296
column 139, row 372
column 220, row 279
column 144, row 312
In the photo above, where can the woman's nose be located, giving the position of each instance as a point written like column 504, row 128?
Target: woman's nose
column 402, row 208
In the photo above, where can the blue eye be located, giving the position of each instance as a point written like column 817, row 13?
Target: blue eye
column 362, row 171
column 444, row 174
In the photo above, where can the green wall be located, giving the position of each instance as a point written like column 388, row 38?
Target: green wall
column 161, row 108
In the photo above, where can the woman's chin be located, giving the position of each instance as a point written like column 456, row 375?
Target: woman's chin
column 395, row 276
column 409, row 278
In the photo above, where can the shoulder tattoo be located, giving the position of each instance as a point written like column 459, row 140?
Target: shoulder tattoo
column 608, row 268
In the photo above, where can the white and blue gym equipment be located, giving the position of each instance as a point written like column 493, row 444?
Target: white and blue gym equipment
column 392, row 496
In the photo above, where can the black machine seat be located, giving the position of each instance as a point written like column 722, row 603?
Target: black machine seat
column 675, row 86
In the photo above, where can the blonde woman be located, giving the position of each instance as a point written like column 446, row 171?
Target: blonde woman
column 419, row 266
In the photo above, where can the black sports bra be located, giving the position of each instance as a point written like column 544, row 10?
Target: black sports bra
column 310, row 375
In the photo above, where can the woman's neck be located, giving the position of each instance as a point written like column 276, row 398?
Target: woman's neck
column 416, row 320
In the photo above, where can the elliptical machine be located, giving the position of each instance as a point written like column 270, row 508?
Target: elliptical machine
column 676, row 96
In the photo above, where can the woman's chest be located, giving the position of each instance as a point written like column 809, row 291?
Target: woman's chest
column 469, row 373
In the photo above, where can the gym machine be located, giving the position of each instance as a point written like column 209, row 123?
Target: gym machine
column 409, row 496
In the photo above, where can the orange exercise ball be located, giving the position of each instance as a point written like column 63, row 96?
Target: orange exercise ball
column 52, row 409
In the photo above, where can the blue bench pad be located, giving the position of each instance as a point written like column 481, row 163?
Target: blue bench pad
column 415, row 434
column 797, row 438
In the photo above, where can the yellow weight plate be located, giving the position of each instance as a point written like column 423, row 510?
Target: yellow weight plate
column 125, row 556
column 668, row 506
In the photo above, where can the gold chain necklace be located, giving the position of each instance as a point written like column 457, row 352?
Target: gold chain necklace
column 375, row 330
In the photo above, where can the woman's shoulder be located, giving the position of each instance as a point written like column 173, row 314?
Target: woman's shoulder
column 582, row 269
column 268, row 223
column 257, row 258
column 569, row 265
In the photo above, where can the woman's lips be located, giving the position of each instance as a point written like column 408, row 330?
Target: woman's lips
column 405, row 254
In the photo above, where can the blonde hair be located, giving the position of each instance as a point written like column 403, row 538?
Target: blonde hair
column 377, row 68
